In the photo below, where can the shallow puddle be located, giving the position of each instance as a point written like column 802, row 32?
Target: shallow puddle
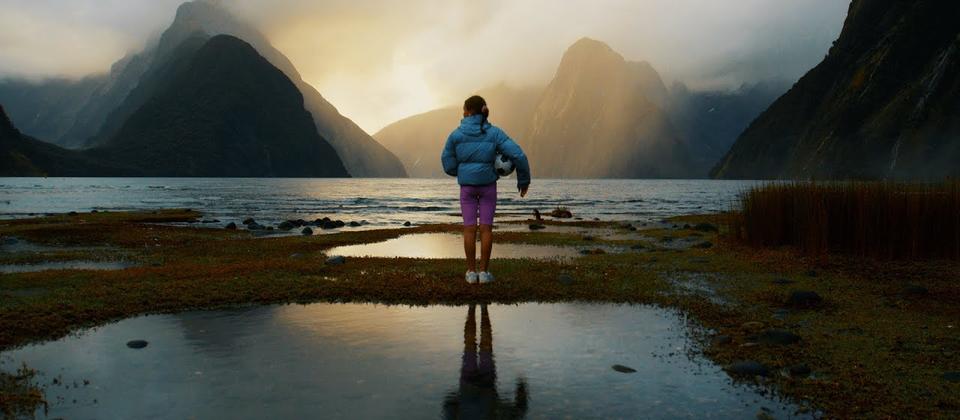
column 445, row 245
column 374, row 361
column 65, row 265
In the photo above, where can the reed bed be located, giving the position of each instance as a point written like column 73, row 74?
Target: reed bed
column 884, row 220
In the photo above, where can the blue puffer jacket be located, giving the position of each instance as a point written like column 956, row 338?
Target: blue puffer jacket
column 469, row 154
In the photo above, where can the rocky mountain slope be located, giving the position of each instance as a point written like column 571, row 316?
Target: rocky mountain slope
column 883, row 104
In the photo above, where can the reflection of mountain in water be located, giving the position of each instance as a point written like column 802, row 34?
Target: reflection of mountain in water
column 477, row 396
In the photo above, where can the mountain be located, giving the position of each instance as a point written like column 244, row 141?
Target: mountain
column 21, row 155
column 711, row 120
column 602, row 117
column 94, row 114
column 220, row 109
column 418, row 140
column 883, row 104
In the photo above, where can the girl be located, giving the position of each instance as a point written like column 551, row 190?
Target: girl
column 469, row 155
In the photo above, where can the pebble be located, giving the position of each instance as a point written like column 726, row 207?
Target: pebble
column 408, row 224
column 336, row 260
column 355, row 224
column 248, row 221
column 776, row 337
column 747, row 368
column 306, row 231
column 623, row 369
column 137, row 344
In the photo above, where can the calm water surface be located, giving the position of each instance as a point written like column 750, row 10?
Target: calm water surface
column 366, row 361
column 383, row 202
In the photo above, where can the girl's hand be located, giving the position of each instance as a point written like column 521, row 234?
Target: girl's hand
column 523, row 191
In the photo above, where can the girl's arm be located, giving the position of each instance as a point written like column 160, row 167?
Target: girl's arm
column 449, row 156
column 510, row 149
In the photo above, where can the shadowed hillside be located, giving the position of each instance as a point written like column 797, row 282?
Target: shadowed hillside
column 883, row 104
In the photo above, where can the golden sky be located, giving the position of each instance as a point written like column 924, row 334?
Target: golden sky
column 379, row 61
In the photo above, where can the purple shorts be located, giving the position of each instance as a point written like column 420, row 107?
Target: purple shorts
column 478, row 201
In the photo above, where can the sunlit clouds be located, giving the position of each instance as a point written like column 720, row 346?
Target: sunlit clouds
column 379, row 60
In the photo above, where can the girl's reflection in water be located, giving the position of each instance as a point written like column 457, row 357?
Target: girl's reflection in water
column 477, row 396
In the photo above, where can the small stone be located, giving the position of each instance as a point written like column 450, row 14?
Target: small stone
column 336, row 260
column 720, row 340
column 137, row 344
column 339, row 223
column 287, row 225
column 231, row 226
column 306, row 231
column 561, row 213
column 355, row 224
column 799, row 371
column 327, row 224
column 535, row 226
column 747, row 368
column 407, row 224
column 248, row 221
column 804, row 299
column 705, row 227
column 565, row 279
column 951, row 376
column 623, row 369
column 776, row 337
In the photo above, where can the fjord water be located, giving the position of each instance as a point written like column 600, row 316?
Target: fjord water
column 382, row 202
column 375, row 361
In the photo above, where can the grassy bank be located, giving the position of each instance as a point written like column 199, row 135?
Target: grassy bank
column 878, row 343
column 878, row 220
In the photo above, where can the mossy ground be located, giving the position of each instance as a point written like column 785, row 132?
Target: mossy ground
column 875, row 350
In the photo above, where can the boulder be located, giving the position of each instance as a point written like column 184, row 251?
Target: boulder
column 248, row 221
column 287, row 225
column 407, row 224
column 355, row 224
column 561, row 213
column 747, row 368
column 231, row 226
column 306, row 231
column 328, row 224
column 137, row 344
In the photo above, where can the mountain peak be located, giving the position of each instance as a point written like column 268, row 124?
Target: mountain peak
column 590, row 46
column 6, row 127
column 199, row 9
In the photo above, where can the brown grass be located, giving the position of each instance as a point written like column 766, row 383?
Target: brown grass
column 884, row 220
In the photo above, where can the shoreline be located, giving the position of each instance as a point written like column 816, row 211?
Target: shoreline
column 839, row 362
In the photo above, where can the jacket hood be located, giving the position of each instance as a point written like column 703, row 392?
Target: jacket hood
column 471, row 125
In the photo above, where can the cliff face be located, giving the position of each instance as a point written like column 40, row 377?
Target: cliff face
column 602, row 117
column 883, row 104
column 221, row 109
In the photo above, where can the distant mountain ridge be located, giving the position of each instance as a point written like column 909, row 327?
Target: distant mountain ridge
column 883, row 104
column 97, row 107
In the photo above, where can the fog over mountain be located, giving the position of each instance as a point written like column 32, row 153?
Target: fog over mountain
column 378, row 61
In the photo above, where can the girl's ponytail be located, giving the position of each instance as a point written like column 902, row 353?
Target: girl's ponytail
column 477, row 105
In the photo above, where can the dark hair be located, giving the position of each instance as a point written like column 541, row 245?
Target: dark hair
column 477, row 105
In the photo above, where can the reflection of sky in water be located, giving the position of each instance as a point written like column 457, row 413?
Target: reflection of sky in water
column 383, row 202
column 441, row 245
column 363, row 360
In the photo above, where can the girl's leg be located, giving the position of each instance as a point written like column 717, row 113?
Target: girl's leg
column 469, row 207
column 488, row 206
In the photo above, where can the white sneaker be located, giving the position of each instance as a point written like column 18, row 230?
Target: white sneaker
column 471, row 277
column 486, row 277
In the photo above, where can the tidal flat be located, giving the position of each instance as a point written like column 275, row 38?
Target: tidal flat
column 839, row 337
